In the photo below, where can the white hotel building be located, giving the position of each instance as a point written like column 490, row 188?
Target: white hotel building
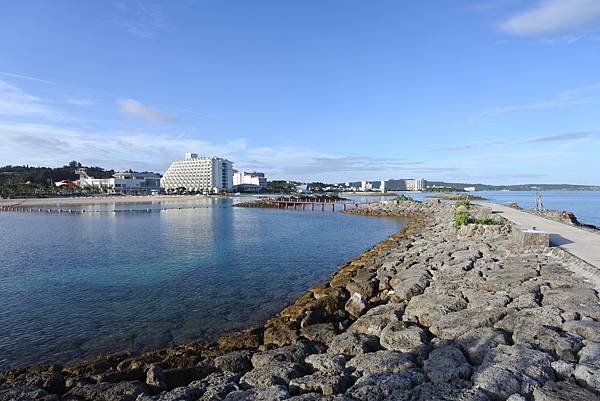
column 199, row 174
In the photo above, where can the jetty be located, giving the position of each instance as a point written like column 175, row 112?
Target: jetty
column 296, row 204
column 580, row 243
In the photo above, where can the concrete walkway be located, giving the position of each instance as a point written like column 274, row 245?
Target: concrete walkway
column 583, row 244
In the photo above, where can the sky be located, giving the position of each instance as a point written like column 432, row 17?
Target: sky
column 486, row 91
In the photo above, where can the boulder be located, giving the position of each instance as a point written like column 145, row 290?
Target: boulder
column 155, row 378
column 563, row 391
column 381, row 362
column 326, row 362
column 458, row 323
column 124, row 391
column 374, row 321
column 399, row 336
column 446, row 364
column 271, row 393
column 508, row 370
column 431, row 306
column 588, row 329
column 321, row 382
column 552, row 340
column 291, row 353
column 385, row 386
column 356, row 305
column 408, row 283
column 352, row 344
column 235, row 361
column 477, row 343
column 320, row 332
column 276, row 373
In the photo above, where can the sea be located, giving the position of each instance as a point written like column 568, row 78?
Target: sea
column 138, row 277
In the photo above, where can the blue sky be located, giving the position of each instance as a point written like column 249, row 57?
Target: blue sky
column 496, row 91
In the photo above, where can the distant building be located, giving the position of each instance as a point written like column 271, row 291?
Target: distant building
column 403, row 185
column 136, row 183
column 199, row 174
column 469, row 189
column 249, row 182
column 121, row 183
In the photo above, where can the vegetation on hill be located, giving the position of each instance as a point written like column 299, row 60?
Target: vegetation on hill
column 21, row 181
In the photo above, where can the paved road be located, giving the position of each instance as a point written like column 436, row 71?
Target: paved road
column 583, row 244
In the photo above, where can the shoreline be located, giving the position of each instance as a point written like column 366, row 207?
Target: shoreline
column 106, row 200
column 399, row 311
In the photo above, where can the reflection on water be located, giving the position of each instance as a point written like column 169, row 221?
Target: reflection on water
column 76, row 285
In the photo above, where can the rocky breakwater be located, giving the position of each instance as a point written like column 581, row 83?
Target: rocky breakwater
column 431, row 313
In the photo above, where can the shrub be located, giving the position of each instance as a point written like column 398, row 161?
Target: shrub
column 403, row 197
column 461, row 219
column 464, row 203
column 487, row 221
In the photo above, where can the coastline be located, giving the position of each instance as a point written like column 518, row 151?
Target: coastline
column 104, row 200
column 397, row 318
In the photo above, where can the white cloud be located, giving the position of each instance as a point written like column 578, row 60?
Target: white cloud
column 552, row 16
column 567, row 97
column 81, row 102
column 137, row 109
column 14, row 102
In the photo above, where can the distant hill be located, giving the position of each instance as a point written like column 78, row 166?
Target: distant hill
column 518, row 187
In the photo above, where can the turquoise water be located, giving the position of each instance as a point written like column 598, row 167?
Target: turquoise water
column 77, row 285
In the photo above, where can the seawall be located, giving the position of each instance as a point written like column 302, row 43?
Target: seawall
column 430, row 313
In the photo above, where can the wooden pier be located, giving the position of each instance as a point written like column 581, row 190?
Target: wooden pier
column 286, row 204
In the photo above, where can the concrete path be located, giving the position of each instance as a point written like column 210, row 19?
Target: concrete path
column 583, row 244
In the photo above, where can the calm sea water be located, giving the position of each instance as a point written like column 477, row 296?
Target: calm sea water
column 73, row 286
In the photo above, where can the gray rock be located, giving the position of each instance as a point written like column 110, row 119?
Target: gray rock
column 477, row 343
column 408, row 283
column 272, row 393
column 586, row 302
column 322, row 382
column 458, row 323
column 385, row 386
column 563, row 391
column 327, row 362
column 381, row 362
column 374, row 321
column 320, row 332
column 276, row 373
column 352, row 344
column 590, row 355
column 218, row 385
column 235, row 361
column 447, row 392
column 589, row 329
column 398, row 336
column 364, row 288
column 431, row 306
column 356, row 305
column 508, row 370
column 563, row 370
column 125, row 391
column 587, row 377
column 544, row 316
column 291, row 353
column 549, row 339
column 516, row 397
column 155, row 378
column 446, row 364
column 26, row 393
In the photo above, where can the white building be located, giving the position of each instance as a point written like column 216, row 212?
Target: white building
column 403, row 185
column 253, row 181
column 199, row 174
column 121, row 183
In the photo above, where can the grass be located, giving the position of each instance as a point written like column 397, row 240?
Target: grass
column 487, row 221
column 461, row 219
